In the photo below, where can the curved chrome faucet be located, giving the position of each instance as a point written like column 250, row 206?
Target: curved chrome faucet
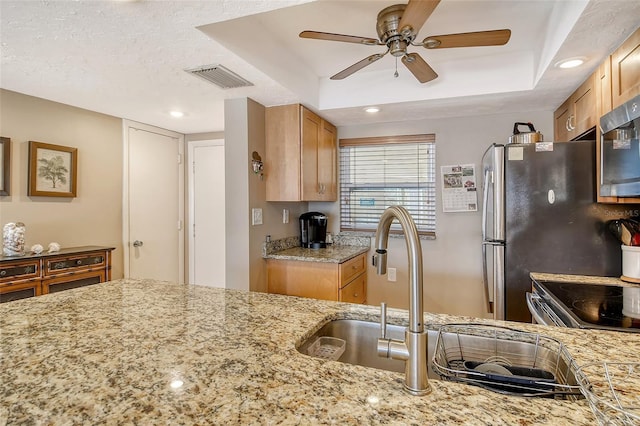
column 414, row 348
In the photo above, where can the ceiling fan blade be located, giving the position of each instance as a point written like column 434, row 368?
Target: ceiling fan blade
column 357, row 66
column 416, row 13
column 479, row 38
column 339, row 37
column 419, row 68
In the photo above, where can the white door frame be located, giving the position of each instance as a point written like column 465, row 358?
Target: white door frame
column 191, row 145
column 126, row 125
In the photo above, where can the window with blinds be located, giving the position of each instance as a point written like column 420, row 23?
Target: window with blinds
column 376, row 173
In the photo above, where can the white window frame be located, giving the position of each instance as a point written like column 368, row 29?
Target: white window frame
column 420, row 184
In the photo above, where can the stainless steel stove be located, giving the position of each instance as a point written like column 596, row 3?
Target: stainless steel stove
column 581, row 305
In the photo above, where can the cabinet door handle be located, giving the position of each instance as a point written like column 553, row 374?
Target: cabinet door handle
column 571, row 126
column 566, row 124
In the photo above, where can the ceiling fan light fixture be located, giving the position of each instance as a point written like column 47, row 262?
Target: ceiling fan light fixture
column 397, row 27
column 570, row 62
column 372, row 109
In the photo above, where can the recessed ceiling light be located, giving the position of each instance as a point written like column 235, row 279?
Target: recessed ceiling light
column 570, row 62
column 177, row 114
column 372, row 110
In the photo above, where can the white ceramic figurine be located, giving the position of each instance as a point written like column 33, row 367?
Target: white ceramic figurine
column 13, row 239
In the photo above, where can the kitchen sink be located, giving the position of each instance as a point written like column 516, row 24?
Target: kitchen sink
column 470, row 353
column 361, row 338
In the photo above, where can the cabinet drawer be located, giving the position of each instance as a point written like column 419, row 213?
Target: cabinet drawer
column 61, row 265
column 355, row 291
column 19, row 270
column 9, row 293
column 352, row 268
column 54, row 285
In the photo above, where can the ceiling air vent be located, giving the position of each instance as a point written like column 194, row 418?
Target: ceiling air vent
column 220, row 76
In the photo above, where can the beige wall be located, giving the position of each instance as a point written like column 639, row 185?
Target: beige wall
column 452, row 262
column 94, row 217
column 245, row 133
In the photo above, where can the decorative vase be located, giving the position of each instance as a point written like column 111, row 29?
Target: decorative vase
column 13, row 238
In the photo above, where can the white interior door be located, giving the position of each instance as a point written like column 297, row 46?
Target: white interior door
column 154, row 178
column 207, row 213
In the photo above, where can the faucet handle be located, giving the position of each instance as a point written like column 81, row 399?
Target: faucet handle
column 383, row 320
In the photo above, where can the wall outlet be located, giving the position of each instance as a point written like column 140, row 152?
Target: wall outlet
column 391, row 274
column 256, row 216
column 285, row 215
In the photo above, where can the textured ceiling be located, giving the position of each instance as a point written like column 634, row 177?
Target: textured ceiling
column 126, row 58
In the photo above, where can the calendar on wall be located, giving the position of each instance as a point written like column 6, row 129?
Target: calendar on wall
column 459, row 191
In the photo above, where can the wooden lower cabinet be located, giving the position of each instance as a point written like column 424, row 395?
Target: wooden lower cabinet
column 344, row 282
column 34, row 275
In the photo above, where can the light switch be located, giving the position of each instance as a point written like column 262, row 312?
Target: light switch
column 285, row 215
column 391, row 274
column 256, row 216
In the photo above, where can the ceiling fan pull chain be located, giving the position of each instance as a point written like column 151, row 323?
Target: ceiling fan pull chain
column 395, row 74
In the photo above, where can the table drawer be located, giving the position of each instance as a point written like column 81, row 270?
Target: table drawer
column 61, row 265
column 352, row 268
column 19, row 270
column 355, row 291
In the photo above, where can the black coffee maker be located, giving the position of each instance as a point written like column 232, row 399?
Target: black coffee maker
column 313, row 230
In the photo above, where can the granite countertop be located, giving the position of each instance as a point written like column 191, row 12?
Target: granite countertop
column 149, row 352
column 581, row 279
column 331, row 254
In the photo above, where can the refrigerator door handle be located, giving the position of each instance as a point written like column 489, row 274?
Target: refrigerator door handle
column 485, row 200
column 498, row 282
column 485, row 278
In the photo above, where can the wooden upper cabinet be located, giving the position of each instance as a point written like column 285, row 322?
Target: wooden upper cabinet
column 282, row 153
column 603, row 88
column 327, row 162
column 577, row 114
column 561, row 122
column 300, row 158
column 584, row 107
column 625, row 70
column 311, row 140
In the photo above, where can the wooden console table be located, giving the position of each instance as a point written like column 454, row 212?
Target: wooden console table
column 36, row 274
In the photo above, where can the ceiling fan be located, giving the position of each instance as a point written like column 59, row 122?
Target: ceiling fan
column 397, row 27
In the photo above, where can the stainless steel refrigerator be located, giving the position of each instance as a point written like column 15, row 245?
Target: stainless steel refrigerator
column 539, row 215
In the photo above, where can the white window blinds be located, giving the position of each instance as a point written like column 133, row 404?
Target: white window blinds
column 376, row 173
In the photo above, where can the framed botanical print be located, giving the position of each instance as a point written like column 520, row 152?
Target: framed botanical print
column 5, row 166
column 53, row 170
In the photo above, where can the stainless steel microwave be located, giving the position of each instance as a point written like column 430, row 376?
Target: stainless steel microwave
column 620, row 151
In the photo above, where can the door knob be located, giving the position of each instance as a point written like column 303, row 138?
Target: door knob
column 137, row 243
